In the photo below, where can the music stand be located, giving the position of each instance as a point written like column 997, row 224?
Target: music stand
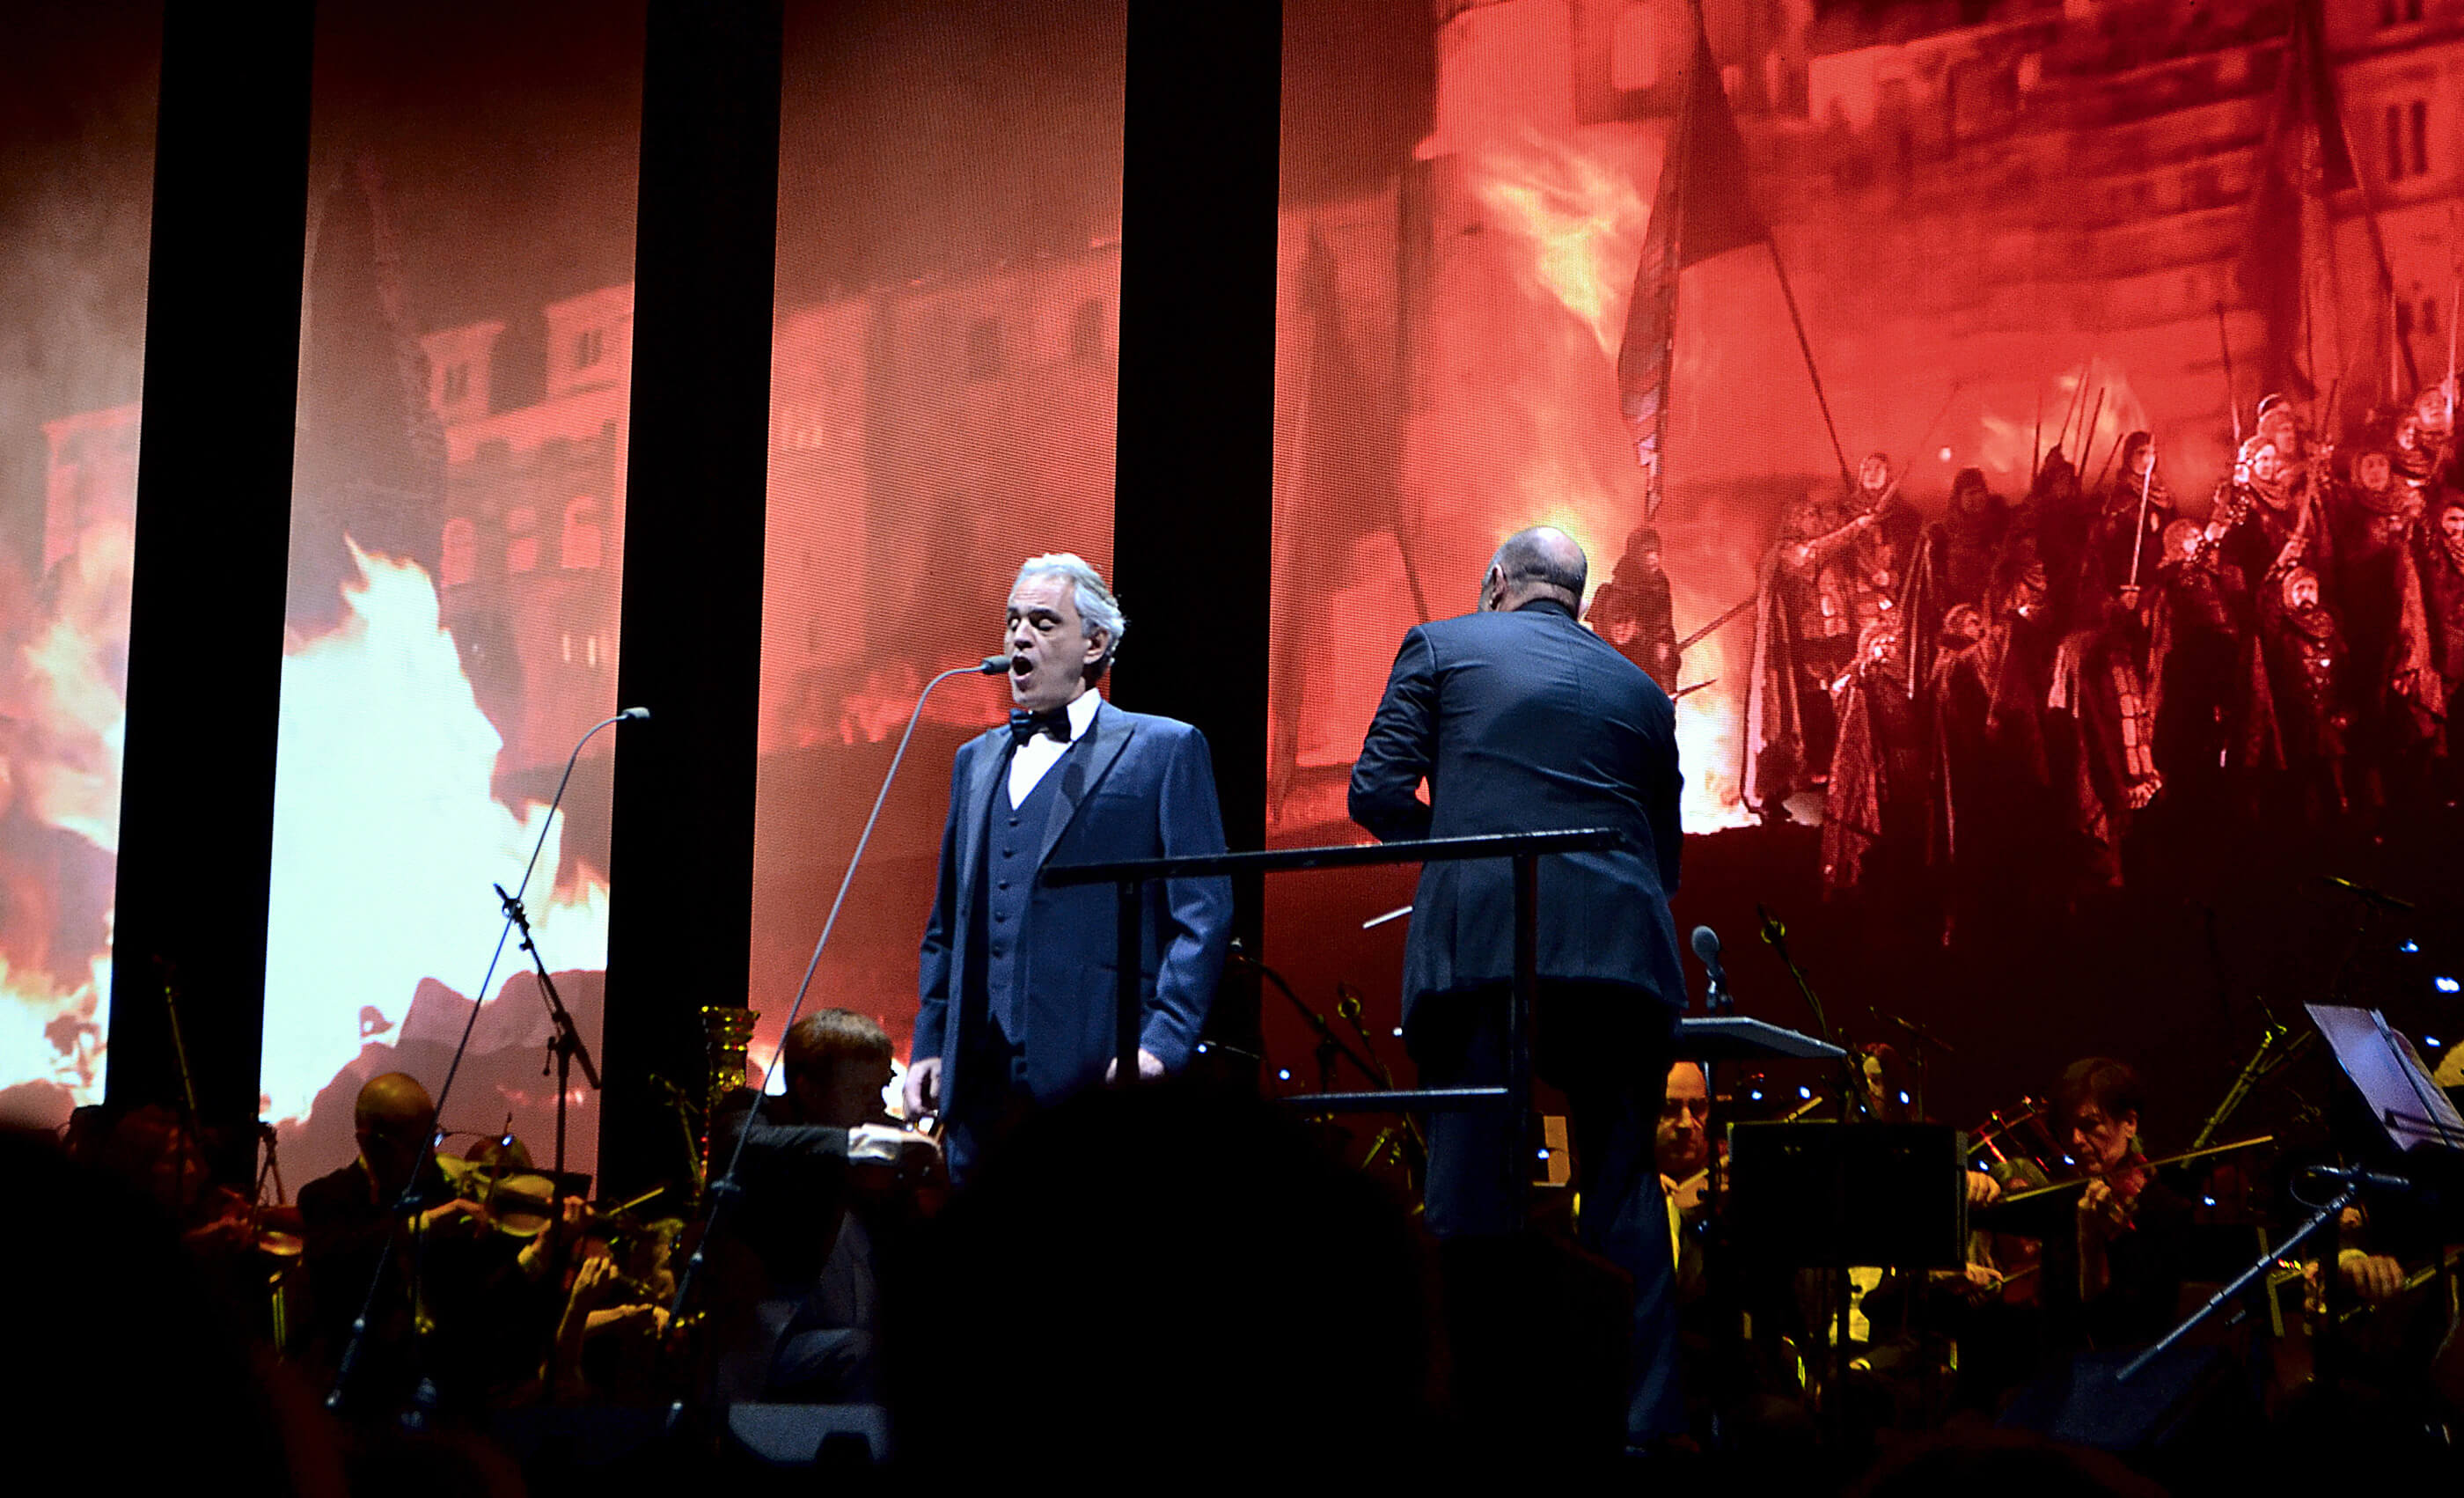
column 2413, row 1109
column 1828, row 1196
column 1707, row 1043
column 1731, row 1036
column 2389, row 1073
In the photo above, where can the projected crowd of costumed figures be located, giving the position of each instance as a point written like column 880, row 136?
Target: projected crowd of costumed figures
column 2038, row 676
column 2053, row 687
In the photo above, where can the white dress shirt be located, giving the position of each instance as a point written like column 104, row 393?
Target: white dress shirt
column 1041, row 753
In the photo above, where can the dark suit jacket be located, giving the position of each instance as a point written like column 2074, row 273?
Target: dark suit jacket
column 1136, row 787
column 1526, row 722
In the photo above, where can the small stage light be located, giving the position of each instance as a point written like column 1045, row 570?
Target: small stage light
column 2408, row 946
column 1805, row 1092
column 1284, row 1075
column 2446, row 984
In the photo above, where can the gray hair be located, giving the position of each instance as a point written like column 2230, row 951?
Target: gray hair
column 1097, row 608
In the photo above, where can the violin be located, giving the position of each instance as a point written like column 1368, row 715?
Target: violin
column 524, row 1203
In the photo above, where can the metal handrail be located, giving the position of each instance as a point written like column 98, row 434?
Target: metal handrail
column 1131, row 877
column 1340, row 855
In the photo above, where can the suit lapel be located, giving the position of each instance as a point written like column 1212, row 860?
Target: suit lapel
column 981, row 782
column 1081, row 771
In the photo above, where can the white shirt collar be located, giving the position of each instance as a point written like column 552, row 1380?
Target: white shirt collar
column 1082, row 713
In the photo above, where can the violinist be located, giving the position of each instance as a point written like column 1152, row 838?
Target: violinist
column 2125, row 1254
column 1681, row 1148
column 830, row 1184
column 450, row 1285
column 611, row 1345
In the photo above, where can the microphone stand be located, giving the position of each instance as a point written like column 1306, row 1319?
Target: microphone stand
column 195, row 1140
column 1349, row 1005
column 726, row 1187
column 565, row 1046
column 406, row 1203
column 1775, row 936
column 1852, row 1087
column 1718, row 1292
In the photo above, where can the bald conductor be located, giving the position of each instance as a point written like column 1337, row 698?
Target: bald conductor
column 1516, row 718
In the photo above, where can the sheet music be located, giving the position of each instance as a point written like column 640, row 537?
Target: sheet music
column 2384, row 1065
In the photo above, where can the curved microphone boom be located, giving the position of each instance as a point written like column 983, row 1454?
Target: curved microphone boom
column 409, row 1201
column 726, row 1185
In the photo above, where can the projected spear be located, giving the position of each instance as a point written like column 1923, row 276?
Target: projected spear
column 2233, row 402
column 2455, row 305
column 1726, row 614
column 2139, row 532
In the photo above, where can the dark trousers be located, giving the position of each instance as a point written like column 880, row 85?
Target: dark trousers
column 994, row 1068
column 1608, row 1048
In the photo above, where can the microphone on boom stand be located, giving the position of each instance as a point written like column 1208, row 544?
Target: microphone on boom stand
column 407, row 1202
column 1716, row 998
column 1775, row 936
column 726, row 1186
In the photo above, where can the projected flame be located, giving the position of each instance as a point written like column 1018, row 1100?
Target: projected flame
column 66, row 712
column 1526, row 431
column 2095, row 392
column 372, row 894
column 1580, row 219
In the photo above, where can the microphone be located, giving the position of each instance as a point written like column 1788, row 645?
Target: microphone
column 995, row 666
column 2356, row 1176
column 634, row 715
column 1706, row 951
column 1923, row 1036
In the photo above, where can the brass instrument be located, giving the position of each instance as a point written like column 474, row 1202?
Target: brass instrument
column 727, row 1036
column 2018, row 1146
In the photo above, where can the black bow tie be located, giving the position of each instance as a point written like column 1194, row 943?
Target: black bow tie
column 1024, row 725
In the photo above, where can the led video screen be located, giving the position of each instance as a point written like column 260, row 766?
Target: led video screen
column 456, row 550
column 1854, row 345
column 942, row 389
column 78, row 91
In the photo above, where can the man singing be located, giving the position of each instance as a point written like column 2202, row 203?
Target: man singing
column 1018, row 981
column 1521, row 720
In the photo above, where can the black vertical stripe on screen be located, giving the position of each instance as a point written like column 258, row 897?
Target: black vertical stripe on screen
column 681, row 865
column 211, row 555
column 1192, row 512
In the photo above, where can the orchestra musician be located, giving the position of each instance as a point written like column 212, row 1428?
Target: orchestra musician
column 455, row 1297
column 828, row 1175
column 2115, row 1279
column 1681, row 1148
